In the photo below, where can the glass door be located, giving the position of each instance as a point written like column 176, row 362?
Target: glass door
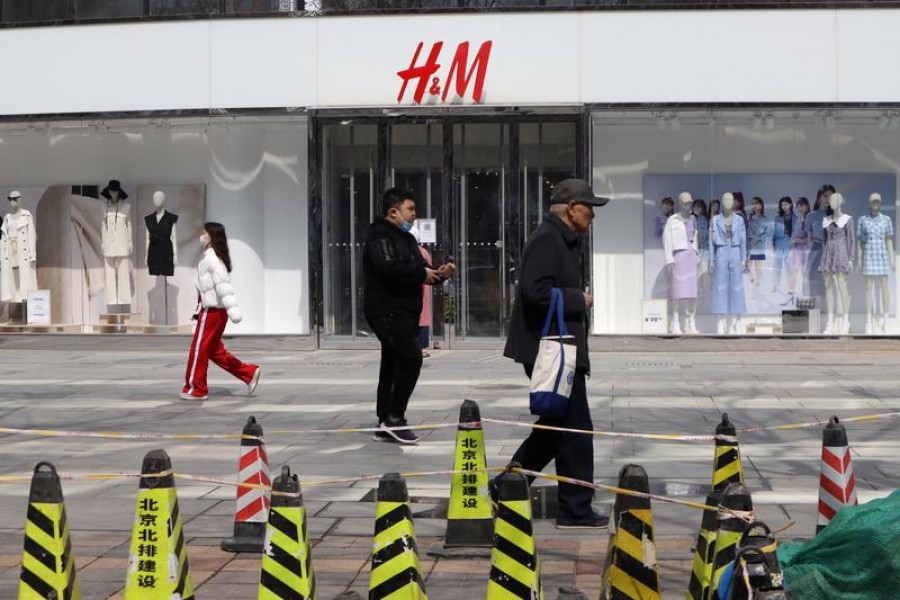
column 481, row 177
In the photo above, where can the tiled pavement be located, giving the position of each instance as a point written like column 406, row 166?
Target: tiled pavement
column 684, row 391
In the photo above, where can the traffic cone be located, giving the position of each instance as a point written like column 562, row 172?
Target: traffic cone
column 287, row 561
column 837, row 484
column 157, row 561
column 515, row 566
column 396, row 574
column 734, row 498
column 701, row 572
column 48, row 565
column 252, row 507
column 631, row 567
column 470, row 519
column 727, row 461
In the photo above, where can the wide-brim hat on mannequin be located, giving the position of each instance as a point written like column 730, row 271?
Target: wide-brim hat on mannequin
column 14, row 195
column 114, row 185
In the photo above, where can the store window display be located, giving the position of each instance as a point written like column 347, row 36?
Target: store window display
column 682, row 258
column 875, row 233
column 838, row 256
column 757, row 235
column 799, row 252
column 18, row 252
column 117, row 244
column 667, row 209
column 162, row 240
column 728, row 250
column 817, row 241
column 781, row 241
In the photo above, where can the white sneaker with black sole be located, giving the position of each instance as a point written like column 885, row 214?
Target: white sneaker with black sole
column 404, row 436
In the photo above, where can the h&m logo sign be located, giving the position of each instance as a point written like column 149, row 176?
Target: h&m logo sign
column 430, row 80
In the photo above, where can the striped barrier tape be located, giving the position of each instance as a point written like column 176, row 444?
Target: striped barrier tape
column 434, row 426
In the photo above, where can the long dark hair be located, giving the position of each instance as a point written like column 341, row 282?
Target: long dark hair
column 218, row 241
column 787, row 200
column 820, row 194
column 703, row 210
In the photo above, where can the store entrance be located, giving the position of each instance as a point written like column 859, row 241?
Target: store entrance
column 485, row 186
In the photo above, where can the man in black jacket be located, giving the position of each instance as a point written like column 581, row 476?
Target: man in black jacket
column 552, row 259
column 394, row 272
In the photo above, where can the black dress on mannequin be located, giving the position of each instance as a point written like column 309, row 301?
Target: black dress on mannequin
column 160, row 254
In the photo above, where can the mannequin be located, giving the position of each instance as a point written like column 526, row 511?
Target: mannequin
column 728, row 251
column 117, row 244
column 18, row 256
column 838, row 254
column 162, row 242
column 682, row 257
column 876, row 260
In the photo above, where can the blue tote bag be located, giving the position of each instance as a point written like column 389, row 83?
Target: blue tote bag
column 554, row 367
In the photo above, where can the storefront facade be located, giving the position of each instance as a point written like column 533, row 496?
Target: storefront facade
column 287, row 130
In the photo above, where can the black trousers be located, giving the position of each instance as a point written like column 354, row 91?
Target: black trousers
column 401, row 361
column 573, row 452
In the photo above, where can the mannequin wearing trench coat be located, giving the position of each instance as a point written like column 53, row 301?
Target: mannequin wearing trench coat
column 26, row 239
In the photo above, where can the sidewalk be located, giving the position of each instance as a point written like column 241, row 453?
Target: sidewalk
column 683, row 392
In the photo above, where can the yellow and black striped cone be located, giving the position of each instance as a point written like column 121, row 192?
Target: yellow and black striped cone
column 701, row 572
column 735, row 499
column 470, row 519
column 48, row 566
column 631, row 566
column 515, row 566
column 157, row 561
column 727, row 463
column 287, row 572
column 396, row 574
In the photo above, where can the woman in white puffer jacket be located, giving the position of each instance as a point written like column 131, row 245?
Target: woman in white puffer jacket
column 217, row 304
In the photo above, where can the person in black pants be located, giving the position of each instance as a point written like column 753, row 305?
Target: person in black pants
column 394, row 271
column 552, row 259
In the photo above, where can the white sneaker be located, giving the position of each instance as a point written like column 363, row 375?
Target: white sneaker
column 186, row 396
column 676, row 327
column 254, row 381
column 882, row 324
column 720, row 327
column 845, row 325
column 691, row 326
column 829, row 327
column 868, row 329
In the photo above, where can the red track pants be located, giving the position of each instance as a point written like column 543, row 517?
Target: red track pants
column 207, row 345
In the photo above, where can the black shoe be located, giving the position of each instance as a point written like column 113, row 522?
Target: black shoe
column 382, row 436
column 404, row 436
column 593, row 521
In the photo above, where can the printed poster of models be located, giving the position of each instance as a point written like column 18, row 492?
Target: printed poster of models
column 781, row 241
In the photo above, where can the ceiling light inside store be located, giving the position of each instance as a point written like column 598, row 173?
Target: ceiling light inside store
column 770, row 121
column 757, row 121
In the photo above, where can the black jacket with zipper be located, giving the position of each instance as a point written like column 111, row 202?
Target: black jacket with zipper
column 393, row 271
column 551, row 259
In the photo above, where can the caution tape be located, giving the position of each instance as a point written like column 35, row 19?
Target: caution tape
column 434, row 426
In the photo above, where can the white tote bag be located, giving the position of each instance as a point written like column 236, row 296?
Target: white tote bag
column 554, row 367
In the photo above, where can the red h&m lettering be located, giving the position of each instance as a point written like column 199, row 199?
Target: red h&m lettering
column 458, row 68
column 459, row 75
column 422, row 73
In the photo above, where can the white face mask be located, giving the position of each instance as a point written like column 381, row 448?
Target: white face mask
column 204, row 239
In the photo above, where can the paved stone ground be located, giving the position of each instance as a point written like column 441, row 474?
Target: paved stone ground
column 683, row 391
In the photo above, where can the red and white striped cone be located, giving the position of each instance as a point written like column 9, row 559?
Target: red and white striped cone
column 837, row 485
column 252, row 511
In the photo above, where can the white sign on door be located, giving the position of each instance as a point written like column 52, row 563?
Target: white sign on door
column 39, row 307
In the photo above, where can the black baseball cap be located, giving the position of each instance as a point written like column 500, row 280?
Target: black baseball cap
column 575, row 190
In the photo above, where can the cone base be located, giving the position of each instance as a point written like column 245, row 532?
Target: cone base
column 469, row 532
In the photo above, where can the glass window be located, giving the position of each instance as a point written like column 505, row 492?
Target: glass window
column 108, row 9
column 183, row 7
column 772, row 253
column 27, row 11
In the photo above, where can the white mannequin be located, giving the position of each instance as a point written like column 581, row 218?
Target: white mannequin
column 687, row 305
column 876, row 280
column 18, row 252
column 728, row 323
column 842, row 324
column 159, row 201
column 117, row 244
